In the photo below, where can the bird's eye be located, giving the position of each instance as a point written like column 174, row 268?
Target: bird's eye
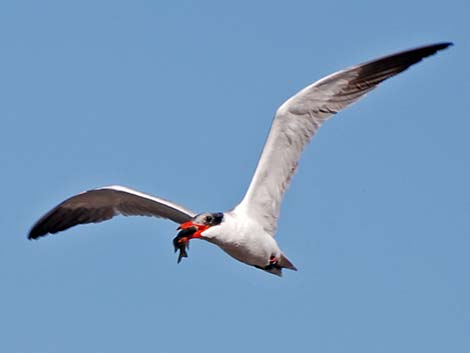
column 208, row 219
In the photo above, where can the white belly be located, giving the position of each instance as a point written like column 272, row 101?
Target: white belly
column 244, row 240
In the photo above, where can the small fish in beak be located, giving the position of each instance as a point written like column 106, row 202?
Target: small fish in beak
column 189, row 230
column 181, row 241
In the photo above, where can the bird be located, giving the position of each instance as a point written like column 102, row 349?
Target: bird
column 246, row 232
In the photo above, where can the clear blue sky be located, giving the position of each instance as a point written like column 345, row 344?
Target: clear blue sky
column 175, row 98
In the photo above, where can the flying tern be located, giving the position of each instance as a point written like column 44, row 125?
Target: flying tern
column 247, row 231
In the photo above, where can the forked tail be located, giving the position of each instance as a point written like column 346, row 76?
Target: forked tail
column 285, row 263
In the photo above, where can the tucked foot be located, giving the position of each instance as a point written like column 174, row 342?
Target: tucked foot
column 273, row 264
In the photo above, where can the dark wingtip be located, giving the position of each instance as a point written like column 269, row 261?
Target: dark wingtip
column 35, row 234
column 443, row 45
column 38, row 231
column 438, row 46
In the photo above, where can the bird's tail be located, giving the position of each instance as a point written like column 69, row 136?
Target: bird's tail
column 285, row 263
column 276, row 269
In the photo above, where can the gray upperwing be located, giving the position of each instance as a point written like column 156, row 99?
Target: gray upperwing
column 101, row 204
column 299, row 118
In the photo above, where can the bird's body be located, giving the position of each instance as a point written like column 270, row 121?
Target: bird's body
column 247, row 231
column 244, row 239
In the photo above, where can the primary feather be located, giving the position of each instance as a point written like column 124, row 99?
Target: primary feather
column 299, row 118
column 99, row 205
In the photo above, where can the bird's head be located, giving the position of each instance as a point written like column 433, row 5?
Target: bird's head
column 193, row 229
column 200, row 223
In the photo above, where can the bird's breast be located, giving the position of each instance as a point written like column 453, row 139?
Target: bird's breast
column 244, row 240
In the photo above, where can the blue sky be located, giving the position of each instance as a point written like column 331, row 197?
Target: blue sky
column 175, row 98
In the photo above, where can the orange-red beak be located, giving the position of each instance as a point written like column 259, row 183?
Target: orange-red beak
column 189, row 226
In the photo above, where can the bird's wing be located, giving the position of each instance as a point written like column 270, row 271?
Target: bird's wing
column 299, row 118
column 101, row 204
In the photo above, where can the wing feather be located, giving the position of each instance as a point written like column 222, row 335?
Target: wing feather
column 298, row 119
column 102, row 204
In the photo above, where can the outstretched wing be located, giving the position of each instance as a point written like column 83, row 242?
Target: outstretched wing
column 101, row 204
column 298, row 119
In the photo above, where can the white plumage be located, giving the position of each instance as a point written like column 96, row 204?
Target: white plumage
column 247, row 232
